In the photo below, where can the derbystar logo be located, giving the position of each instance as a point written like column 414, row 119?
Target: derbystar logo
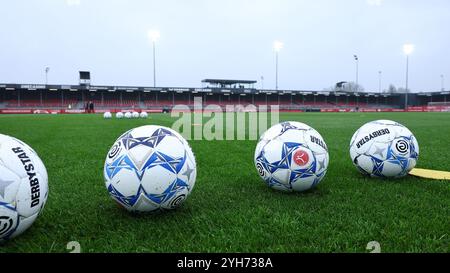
column 373, row 135
column 32, row 178
column 319, row 142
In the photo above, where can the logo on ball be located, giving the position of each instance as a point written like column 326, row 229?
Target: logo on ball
column 6, row 224
column 177, row 201
column 260, row 169
column 114, row 150
column 301, row 158
column 402, row 146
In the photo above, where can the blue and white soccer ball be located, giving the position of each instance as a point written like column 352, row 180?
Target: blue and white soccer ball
column 292, row 156
column 128, row 115
column 384, row 149
column 150, row 168
column 23, row 187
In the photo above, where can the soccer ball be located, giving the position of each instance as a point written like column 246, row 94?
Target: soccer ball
column 107, row 115
column 150, row 168
column 144, row 115
column 385, row 149
column 23, row 187
column 128, row 115
column 291, row 156
column 119, row 115
column 135, row 115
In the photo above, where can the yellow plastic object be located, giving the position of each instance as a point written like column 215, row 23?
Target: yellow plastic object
column 430, row 174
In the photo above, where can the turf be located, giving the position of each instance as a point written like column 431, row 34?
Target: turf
column 231, row 209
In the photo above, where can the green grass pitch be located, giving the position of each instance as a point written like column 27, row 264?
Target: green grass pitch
column 231, row 209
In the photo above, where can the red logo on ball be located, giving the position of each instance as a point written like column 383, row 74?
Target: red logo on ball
column 301, row 157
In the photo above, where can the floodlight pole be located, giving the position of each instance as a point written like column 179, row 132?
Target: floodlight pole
column 277, row 47
column 154, row 63
column 276, row 70
column 407, row 78
column 407, row 49
column 379, row 81
column 442, row 83
column 154, row 35
column 47, row 69
column 357, row 72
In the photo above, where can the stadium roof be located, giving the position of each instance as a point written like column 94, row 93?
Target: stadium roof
column 217, row 90
column 228, row 82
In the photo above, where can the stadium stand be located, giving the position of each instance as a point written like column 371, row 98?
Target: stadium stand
column 217, row 92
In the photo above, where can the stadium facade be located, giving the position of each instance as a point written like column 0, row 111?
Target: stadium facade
column 29, row 98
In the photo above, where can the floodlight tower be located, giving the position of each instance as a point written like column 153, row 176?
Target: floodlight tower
column 277, row 46
column 47, row 69
column 379, row 80
column 154, row 36
column 408, row 49
column 357, row 71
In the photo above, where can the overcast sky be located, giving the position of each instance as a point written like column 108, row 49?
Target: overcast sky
column 230, row 39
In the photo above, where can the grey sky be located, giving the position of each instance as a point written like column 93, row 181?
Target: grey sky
column 226, row 39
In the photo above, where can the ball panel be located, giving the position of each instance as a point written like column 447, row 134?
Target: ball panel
column 391, row 169
column 157, row 179
column 9, row 185
column 304, row 184
column 30, row 196
column 24, row 224
column 126, row 182
column 12, row 159
column 272, row 133
column 364, row 163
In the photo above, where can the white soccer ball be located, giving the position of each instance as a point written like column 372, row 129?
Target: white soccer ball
column 150, row 168
column 128, row 115
column 107, row 115
column 119, row 115
column 135, row 115
column 385, row 149
column 291, row 156
column 144, row 115
column 23, row 187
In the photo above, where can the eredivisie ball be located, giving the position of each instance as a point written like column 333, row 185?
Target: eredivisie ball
column 292, row 156
column 150, row 168
column 119, row 115
column 107, row 115
column 384, row 149
column 23, row 187
column 143, row 115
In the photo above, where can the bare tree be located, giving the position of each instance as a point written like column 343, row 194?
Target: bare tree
column 392, row 89
column 346, row 87
column 403, row 90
